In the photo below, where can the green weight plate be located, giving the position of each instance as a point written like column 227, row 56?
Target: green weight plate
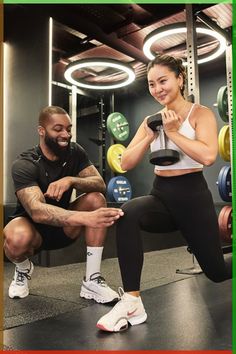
column 222, row 103
column 224, row 143
column 118, row 126
column 114, row 154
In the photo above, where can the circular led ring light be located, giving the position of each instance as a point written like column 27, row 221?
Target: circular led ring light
column 178, row 28
column 111, row 63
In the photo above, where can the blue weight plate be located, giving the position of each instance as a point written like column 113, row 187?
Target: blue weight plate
column 119, row 189
column 224, row 184
column 110, row 189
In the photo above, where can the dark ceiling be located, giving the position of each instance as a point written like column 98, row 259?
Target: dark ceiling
column 117, row 31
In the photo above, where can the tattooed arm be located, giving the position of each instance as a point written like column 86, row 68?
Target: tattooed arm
column 88, row 180
column 34, row 203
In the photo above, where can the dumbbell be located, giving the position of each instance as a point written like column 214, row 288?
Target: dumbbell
column 162, row 157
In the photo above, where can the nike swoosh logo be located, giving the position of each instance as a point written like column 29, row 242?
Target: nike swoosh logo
column 129, row 313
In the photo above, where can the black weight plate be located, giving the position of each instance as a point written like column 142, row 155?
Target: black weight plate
column 164, row 157
column 154, row 121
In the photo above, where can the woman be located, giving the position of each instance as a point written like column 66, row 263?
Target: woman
column 179, row 199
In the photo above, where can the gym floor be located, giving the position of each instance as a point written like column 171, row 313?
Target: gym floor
column 184, row 312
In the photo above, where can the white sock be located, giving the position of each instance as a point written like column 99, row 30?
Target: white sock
column 23, row 265
column 94, row 258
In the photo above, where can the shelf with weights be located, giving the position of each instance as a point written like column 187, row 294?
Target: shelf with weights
column 226, row 152
column 118, row 188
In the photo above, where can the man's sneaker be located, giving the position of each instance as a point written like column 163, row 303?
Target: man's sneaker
column 129, row 309
column 19, row 285
column 96, row 288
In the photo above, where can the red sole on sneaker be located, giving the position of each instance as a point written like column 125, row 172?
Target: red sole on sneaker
column 103, row 328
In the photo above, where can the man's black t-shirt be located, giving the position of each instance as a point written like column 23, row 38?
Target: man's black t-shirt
column 32, row 168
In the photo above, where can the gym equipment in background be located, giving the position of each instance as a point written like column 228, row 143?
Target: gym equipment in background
column 118, row 126
column 224, row 184
column 222, row 103
column 224, row 143
column 224, row 177
column 225, row 223
column 162, row 157
column 119, row 189
column 114, row 154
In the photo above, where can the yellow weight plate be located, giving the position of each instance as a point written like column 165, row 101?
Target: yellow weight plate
column 224, row 143
column 114, row 154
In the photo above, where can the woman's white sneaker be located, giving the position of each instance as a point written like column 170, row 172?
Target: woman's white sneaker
column 129, row 309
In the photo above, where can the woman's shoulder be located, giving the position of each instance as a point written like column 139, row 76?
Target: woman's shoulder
column 199, row 114
column 199, row 108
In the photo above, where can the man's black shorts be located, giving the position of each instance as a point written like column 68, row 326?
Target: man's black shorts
column 53, row 237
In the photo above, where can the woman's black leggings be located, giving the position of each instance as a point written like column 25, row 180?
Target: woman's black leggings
column 175, row 203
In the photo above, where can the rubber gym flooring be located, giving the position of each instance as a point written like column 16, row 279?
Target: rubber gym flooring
column 184, row 313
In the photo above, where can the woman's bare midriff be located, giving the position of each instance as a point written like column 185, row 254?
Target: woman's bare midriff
column 172, row 173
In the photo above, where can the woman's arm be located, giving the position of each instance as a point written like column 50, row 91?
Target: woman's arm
column 205, row 148
column 138, row 146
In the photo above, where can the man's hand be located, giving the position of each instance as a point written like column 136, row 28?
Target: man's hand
column 102, row 217
column 56, row 189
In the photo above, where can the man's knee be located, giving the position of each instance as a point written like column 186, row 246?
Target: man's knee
column 95, row 200
column 17, row 241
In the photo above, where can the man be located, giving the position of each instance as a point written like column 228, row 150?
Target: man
column 45, row 217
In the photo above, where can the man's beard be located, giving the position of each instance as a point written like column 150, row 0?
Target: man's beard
column 59, row 151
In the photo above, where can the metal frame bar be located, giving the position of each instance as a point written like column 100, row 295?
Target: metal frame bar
column 73, row 111
column 102, row 137
column 194, row 96
column 73, row 116
column 192, row 68
column 213, row 25
column 229, row 78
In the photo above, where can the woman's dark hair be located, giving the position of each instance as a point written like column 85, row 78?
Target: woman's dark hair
column 174, row 64
column 45, row 114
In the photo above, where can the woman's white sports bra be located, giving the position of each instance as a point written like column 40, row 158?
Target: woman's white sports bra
column 185, row 162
